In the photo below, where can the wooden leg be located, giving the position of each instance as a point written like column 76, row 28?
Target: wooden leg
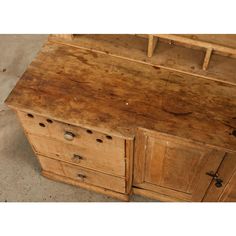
column 207, row 58
column 152, row 42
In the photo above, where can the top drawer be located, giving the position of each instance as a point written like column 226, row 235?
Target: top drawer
column 71, row 134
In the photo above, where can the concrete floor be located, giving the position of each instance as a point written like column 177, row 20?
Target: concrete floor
column 20, row 178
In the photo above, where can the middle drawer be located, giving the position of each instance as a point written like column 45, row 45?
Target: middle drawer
column 84, row 156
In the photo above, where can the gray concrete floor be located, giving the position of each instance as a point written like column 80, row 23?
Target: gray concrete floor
column 20, row 178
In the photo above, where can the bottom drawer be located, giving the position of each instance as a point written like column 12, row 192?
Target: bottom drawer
column 95, row 178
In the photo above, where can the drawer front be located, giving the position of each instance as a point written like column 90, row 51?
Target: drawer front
column 50, row 165
column 96, row 141
column 79, row 155
column 95, row 178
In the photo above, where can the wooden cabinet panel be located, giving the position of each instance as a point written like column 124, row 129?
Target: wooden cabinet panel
column 229, row 194
column 226, row 173
column 79, row 155
column 174, row 167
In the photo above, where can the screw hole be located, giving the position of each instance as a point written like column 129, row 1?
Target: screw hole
column 89, row 131
column 234, row 133
column 99, row 140
column 30, row 115
column 49, row 121
column 108, row 137
column 42, row 124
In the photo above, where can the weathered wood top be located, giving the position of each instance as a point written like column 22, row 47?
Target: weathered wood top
column 116, row 96
column 168, row 56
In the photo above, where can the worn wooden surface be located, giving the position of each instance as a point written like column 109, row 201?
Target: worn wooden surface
column 89, row 158
column 227, row 173
column 64, row 179
column 116, row 96
column 165, row 54
column 174, row 167
column 224, row 40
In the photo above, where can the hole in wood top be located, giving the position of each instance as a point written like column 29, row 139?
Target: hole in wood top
column 234, row 133
column 99, row 140
column 30, row 115
column 89, row 131
column 42, row 124
column 49, row 121
column 108, row 137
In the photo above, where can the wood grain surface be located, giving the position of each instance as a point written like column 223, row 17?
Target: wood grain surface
column 117, row 96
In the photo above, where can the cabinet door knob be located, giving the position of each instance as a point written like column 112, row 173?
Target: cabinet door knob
column 77, row 157
column 69, row 136
column 81, row 177
column 215, row 176
column 218, row 183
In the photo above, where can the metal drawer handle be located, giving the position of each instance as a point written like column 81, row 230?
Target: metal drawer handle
column 69, row 136
column 77, row 157
column 81, row 177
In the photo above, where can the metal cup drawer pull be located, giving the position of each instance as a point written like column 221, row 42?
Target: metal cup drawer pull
column 77, row 157
column 69, row 136
column 81, row 177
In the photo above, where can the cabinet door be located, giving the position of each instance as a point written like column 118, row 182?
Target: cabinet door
column 171, row 166
column 227, row 173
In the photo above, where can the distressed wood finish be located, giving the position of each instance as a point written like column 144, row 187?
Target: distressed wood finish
column 95, row 178
column 83, row 156
column 94, row 90
column 94, row 103
column 174, row 167
column 82, row 174
column 99, row 142
column 226, row 172
column 51, row 165
column 64, row 179
column 168, row 54
column 106, row 164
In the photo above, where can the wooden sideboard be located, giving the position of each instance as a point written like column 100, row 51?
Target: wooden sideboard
column 118, row 126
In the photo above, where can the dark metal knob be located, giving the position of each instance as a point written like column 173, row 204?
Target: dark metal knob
column 69, row 136
column 218, row 183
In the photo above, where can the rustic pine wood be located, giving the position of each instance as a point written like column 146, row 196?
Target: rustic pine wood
column 155, row 195
column 94, row 177
column 152, row 42
column 64, row 36
column 51, row 165
column 83, row 156
column 229, row 194
column 226, row 172
column 82, row 137
column 83, row 175
column 183, row 125
column 107, row 165
column 174, row 167
column 207, row 58
column 175, row 56
column 52, row 176
column 94, row 90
